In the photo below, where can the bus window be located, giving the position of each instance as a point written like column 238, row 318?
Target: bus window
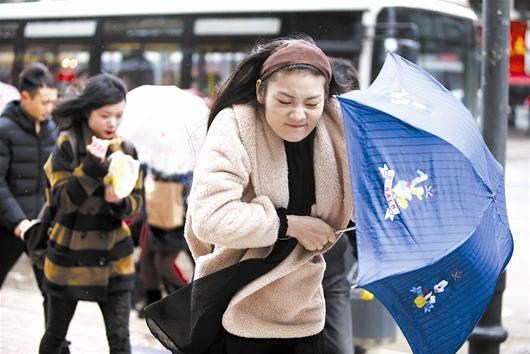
column 211, row 69
column 65, row 61
column 143, row 64
column 8, row 33
column 150, row 27
column 8, row 30
column 447, row 68
column 7, row 58
column 441, row 44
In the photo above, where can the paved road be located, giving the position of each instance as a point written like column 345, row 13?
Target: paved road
column 21, row 319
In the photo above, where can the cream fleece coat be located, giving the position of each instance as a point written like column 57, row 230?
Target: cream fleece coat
column 239, row 181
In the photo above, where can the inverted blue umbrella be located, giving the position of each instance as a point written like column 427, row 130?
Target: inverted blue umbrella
column 430, row 210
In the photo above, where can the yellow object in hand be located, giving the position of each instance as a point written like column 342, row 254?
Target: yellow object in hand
column 123, row 173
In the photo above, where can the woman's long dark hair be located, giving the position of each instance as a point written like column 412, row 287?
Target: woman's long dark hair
column 101, row 90
column 240, row 87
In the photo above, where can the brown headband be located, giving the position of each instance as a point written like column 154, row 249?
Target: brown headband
column 296, row 52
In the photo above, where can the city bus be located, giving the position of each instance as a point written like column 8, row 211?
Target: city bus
column 196, row 44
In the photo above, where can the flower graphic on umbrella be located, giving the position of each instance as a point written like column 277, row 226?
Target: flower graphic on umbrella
column 426, row 298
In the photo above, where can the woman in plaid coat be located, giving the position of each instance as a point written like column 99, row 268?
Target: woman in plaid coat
column 89, row 254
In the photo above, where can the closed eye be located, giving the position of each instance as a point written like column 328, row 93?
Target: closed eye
column 313, row 104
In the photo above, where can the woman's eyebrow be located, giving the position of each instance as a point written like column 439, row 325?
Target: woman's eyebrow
column 307, row 98
column 285, row 94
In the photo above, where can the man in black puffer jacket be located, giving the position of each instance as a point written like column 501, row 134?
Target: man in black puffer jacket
column 27, row 137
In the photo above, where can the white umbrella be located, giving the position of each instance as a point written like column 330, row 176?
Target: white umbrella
column 167, row 125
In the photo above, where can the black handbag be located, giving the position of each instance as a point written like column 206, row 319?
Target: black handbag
column 36, row 236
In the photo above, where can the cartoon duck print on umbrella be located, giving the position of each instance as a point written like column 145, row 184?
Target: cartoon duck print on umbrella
column 402, row 192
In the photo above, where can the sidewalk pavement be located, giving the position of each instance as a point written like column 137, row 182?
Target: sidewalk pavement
column 22, row 322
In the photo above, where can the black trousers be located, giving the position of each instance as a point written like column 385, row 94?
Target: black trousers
column 337, row 334
column 11, row 248
column 231, row 344
column 39, row 277
column 115, row 312
column 159, row 251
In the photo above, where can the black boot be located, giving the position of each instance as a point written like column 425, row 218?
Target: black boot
column 151, row 296
column 170, row 287
column 65, row 349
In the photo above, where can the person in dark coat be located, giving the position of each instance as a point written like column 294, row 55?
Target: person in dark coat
column 338, row 335
column 27, row 137
column 90, row 249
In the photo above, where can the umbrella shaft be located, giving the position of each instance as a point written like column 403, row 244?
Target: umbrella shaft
column 340, row 231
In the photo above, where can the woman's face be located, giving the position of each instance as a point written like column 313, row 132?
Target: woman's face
column 105, row 120
column 293, row 102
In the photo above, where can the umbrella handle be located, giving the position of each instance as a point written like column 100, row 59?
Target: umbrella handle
column 340, row 231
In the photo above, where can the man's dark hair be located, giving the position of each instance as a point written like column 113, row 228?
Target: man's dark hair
column 35, row 77
column 345, row 74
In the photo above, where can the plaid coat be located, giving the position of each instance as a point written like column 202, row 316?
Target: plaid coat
column 90, row 250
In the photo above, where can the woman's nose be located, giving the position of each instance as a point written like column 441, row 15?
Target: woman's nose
column 298, row 113
column 113, row 122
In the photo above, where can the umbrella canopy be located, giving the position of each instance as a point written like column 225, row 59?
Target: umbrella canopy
column 167, row 126
column 432, row 228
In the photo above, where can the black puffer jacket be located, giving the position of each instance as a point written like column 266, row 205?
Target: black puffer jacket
column 22, row 157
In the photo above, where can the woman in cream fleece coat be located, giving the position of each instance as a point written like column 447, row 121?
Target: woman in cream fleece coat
column 275, row 141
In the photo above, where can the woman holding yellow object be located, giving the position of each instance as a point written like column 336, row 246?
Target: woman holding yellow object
column 89, row 254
